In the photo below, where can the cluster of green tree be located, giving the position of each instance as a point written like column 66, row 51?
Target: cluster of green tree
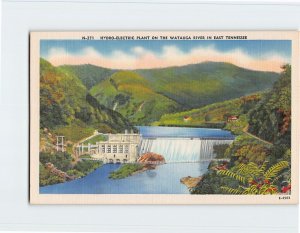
column 211, row 183
column 247, row 149
column 205, row 83
column 215, row 114
column 255, row 179
column 64, row 163
column 125, row 170
column 86, row 166
column 249, row 178
column 239, row 126
column 133, row 96
column 143, row 96
column 251, row 170
column 270, row 119
column 65, row 101
column 48, row 178
column 90, row 75
column 219, row 150
column 256, row 166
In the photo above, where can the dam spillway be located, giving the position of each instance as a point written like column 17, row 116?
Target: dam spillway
column 182, row 144
column 176, row 149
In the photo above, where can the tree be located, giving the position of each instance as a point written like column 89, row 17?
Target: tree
column 270, row 119
column 219, row 150
column 207, row 117
column 254, row 179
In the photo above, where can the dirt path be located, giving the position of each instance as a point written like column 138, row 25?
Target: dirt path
column 245, row 130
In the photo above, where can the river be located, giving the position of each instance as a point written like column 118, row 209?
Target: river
column 187, row 151
column 165, row 179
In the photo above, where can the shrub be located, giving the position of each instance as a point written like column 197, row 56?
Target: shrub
column 60, row 160
column 125, row 171
column 47, row 178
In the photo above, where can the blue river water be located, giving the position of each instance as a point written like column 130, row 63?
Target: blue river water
column 183, row 132
column 165, row 179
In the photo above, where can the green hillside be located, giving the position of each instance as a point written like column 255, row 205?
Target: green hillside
column 68, row 108
column 212, row 113
column 209, row 82
column 271, row 118
column 89, row 74
column 143, row 96
column 133, row 96
column 265, row 147
column 216, row 113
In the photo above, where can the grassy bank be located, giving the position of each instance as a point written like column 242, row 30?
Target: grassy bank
column 213, row 115
column 64, row 163
column 95, row 139
column 126, row 170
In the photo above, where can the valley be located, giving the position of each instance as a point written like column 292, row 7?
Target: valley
column 173, row 89
column 79, row 101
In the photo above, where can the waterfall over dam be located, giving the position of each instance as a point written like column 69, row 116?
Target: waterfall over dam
column 182, row 149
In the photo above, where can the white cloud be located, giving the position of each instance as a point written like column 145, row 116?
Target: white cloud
column 141, row 58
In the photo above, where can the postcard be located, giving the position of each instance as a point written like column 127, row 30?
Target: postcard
column 164, row 117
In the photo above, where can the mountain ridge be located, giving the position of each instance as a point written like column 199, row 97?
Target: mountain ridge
column 105, row 72
column 179, row 88
column 65, row 102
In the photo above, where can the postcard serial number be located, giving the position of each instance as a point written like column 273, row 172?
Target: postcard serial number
column 285, row 198
column 87, row 37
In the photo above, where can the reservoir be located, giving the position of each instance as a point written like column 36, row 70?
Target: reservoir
column 188, row 152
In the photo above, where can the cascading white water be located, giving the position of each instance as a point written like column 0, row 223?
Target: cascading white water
column 182, row 149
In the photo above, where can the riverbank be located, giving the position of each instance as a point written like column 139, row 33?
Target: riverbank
column 165, row 179
column 191, row 182
column 59, row 168
column 126, row 170
column 147, row 161
column 214, row 125
column 245, row 149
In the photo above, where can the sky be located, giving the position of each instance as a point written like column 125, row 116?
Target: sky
column 262, row 55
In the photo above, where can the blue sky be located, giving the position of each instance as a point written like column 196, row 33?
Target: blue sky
column 112, row 52
column 252, row 47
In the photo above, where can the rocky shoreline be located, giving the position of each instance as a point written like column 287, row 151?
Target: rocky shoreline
column 54, row 170
column 150, row 160
column 191, row 182
column 147, row 161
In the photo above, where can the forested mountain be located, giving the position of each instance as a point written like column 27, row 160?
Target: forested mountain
column 215, row 113
column 89, row 74
column 200, row 84
column 65, row 101
column 144, row 95
column 134, row 97
column 262, row 156
column 76, row 100
column 271, row 118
